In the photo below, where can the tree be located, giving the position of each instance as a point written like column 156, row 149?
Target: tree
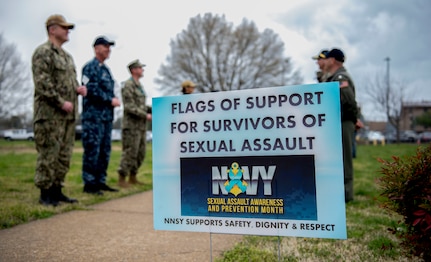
column 424, row 120
column 15, row 90
column 219, row 57
column 388, row 96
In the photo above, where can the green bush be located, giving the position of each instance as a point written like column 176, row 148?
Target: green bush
column 406, row 185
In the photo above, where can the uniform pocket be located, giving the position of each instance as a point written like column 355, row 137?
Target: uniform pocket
column 60, row 63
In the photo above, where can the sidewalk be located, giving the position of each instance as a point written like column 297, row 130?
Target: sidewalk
column 117, row 230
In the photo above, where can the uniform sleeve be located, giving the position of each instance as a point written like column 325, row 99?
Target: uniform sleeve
column 129, row 101
column 91, row 79
column 76, row 83
column 45, row 85
column 348, row 101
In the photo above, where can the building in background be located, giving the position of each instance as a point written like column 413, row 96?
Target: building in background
column 410, row 111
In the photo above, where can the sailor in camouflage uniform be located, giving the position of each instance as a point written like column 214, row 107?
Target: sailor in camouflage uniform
column 97, row 117
column 55, row 111
column 135, row 117
column 349, row 113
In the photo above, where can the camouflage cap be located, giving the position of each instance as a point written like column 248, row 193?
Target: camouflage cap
column 58, row 20
column 321, row 55
column 135, row 63
column 188, row 83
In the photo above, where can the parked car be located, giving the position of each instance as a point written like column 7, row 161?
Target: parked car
column 149, row 136
column 116, row 135
column 425, row 137
column 18, row 134
column 408, row 136
column 78, row 132
column 390, row 137
column 375, row 136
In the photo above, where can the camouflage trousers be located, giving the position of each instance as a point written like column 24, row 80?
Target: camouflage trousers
column 96, row 140
column 54, row 141
column 348, row 128
column 134, row 142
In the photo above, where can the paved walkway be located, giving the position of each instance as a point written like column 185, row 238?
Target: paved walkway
column 117, row 230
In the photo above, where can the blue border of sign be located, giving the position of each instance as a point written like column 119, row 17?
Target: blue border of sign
column 265, row 161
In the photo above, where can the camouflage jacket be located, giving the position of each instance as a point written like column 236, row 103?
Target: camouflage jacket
column 54, row 77
column 135, row 110
column 349, row 108
column 97, row 105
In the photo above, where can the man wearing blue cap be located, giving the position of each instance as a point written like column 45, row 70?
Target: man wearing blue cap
column 349, row 113
column 97, row 117
column 320, row 58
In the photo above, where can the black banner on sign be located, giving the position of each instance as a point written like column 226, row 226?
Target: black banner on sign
column 272, row 187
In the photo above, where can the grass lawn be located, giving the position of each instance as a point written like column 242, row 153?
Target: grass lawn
column 367, row 224
column 19, row 196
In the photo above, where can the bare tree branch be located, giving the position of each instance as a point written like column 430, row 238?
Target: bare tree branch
column 219, row 57
column 388, row 96
column 15, row 88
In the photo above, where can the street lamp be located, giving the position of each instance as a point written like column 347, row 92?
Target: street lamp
column 387, row 59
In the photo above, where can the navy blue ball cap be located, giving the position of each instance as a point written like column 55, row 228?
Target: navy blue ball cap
column 102, row 40
column 321, row 55
column 337, row 54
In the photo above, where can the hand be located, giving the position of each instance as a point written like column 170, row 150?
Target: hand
column 67, row 106
column 82, row 90
column 359, row 124
column 149, row 117
column 115, row 102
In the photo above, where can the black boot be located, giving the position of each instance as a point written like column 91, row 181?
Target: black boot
column 60, row 197
column 105, row 187
column 46, row 197
column 92, row 189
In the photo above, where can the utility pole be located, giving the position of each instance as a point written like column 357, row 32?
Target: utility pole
column 395, row 119
column 388, row 87
column 387, row 59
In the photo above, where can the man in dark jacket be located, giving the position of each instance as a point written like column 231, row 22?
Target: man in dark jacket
column 97, row 117
column 349, row 113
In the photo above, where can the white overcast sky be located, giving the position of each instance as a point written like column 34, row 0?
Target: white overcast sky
column 367, row 31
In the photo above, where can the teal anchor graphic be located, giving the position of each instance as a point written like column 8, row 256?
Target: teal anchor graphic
column 235, row 185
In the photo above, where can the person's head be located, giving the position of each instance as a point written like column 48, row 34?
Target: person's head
column 188, row 87
column 58, row 29
column 102, row 48
column 334, row 59
column 136, row 68
column 320, row 59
